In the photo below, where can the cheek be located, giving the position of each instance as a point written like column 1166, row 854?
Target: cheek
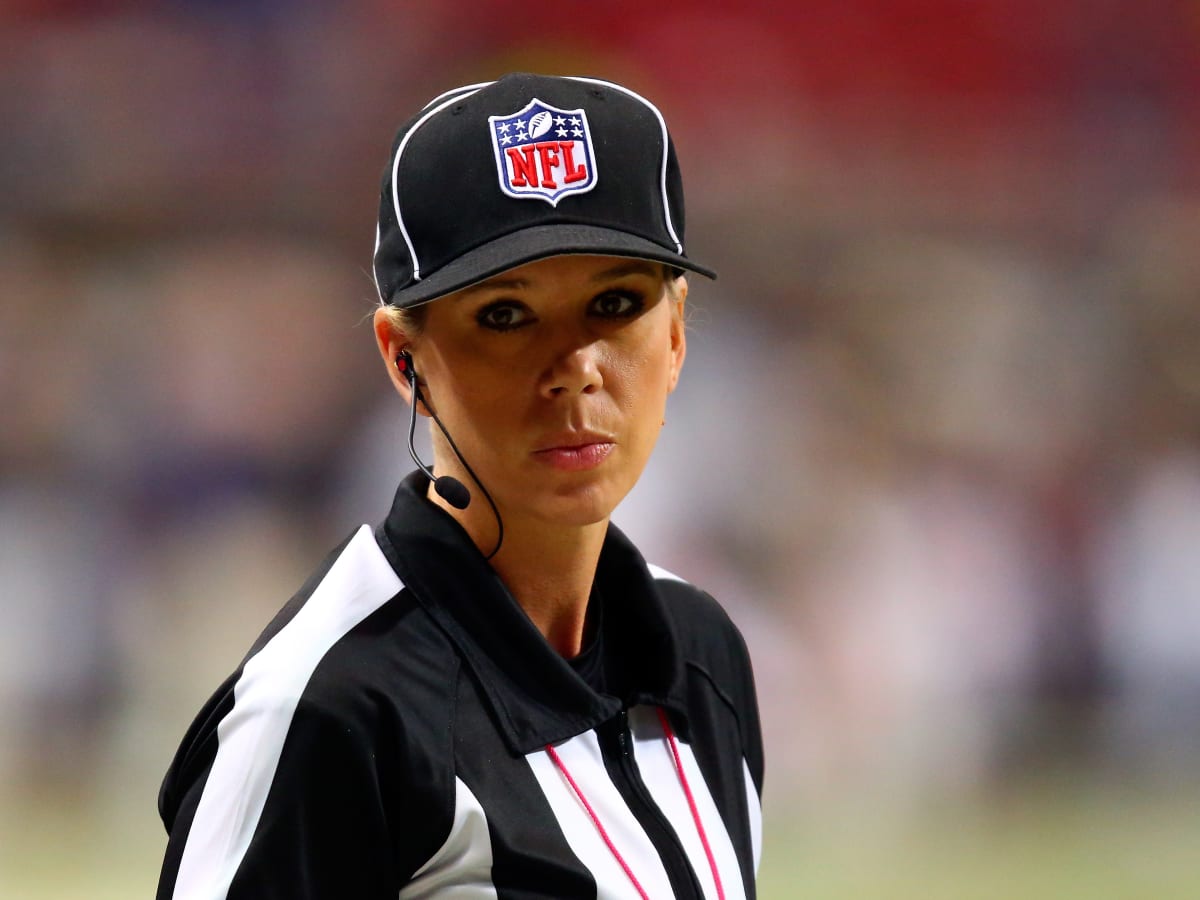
column 463, row 396
column 645, row 374
column 660, row 354
column 480, row 403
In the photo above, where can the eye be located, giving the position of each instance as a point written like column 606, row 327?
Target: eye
column 503, row 315
column 621, row 304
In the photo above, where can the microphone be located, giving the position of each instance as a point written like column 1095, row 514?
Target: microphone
column 448, row 488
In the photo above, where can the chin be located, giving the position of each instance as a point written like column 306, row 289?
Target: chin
column 582, row 505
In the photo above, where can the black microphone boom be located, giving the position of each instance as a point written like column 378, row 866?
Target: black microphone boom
column 449, row 488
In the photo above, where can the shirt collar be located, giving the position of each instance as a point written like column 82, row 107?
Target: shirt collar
column 535, row 695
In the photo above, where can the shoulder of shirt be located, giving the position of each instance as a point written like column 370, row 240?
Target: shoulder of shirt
column 698, row 618
column 369, row 636
column 712, row 650
column 351, row 658
column 679, row 592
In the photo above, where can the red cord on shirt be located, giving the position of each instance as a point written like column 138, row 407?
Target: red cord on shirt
column 596, row 821
column 687, row 791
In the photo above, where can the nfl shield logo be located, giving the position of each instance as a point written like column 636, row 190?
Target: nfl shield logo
column 543, row 152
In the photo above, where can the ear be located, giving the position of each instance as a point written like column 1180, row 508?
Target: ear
column 678, row 331
column 391, row 341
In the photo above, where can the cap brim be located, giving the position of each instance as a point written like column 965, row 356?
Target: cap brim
column 531, row 244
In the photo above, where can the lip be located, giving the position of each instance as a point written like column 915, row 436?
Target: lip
column 574, row 451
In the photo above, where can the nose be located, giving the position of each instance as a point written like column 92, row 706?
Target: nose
column 575, row 371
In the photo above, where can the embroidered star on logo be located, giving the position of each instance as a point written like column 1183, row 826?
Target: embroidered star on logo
column 578, row 132
column 561, row 132
column 507, row 139
column 560, row 121
column 502, row 128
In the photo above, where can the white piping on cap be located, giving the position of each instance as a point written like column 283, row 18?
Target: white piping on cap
column 374, row 273
column 456, row 91
column 663, row 174
column 457, row 94
column 462, row 93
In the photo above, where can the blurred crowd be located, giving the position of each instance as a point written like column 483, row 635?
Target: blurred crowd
column 937, row 446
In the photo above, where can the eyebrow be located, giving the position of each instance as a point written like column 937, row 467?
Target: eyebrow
column 492, row 284
column 633, row 267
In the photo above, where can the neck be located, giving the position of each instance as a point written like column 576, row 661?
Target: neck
column 552, row 580
column 548, row 568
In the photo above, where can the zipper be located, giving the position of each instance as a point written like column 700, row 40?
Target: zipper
column 616, row 746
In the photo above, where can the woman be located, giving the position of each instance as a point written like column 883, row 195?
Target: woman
column 492, row 694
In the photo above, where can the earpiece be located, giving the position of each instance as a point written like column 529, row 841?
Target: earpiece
column 404, row 365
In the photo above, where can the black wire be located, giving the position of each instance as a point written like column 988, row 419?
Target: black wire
column 412, row 427
column 466, row 465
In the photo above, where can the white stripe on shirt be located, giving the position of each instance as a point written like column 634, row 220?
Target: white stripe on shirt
column 251, row 736
column 755, row 807
column 461, row 869
column 657, row 766
column 581, row 757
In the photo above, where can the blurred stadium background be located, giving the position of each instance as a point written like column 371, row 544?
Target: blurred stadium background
column 937, row 447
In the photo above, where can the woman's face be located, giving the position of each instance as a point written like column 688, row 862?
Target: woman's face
column 552, row 378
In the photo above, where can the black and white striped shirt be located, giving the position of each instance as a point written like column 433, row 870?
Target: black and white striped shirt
column 402, row 730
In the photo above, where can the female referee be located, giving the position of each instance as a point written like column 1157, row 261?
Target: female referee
column 492, row 694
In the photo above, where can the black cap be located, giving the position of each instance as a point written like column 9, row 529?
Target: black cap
column 495, row 175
